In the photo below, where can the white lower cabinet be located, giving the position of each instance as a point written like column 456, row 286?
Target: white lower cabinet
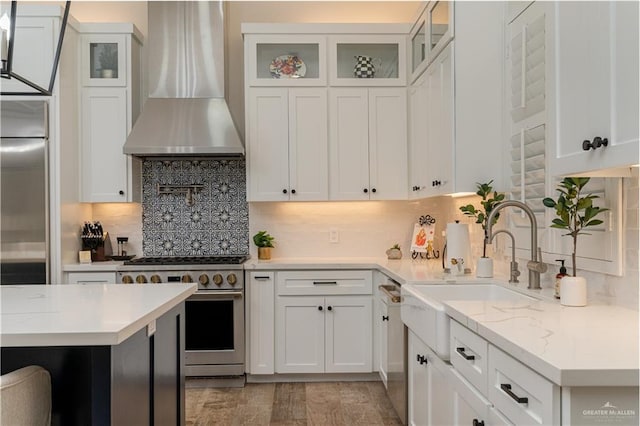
column 430, row 394
column 382, row 320
column 324, row 322
column 323, row 334
column 91, row 278
column 260, row 317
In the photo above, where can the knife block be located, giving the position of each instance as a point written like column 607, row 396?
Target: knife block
column 100, row 249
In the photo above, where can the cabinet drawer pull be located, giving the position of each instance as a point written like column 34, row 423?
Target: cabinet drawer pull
column 385, row 318
column 325, row 283
column 506, row 388
column 422, row 359
column 464, row 355
column 261, row 278
column 477, row 422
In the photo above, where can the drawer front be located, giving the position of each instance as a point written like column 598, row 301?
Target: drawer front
column 521, row 394
column 469, row 356
column 324, row 282
column 91, row 278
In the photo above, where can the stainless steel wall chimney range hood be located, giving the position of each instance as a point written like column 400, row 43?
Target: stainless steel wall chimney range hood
column 186, row 113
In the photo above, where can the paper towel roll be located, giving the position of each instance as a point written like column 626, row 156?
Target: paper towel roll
column 458, row 245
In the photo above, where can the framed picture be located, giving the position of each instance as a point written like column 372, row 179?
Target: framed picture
column 422, row 235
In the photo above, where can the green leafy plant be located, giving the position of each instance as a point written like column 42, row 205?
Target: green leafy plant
column 263, row 239
column 485, row 190
column 575, row 211
column 396, row 246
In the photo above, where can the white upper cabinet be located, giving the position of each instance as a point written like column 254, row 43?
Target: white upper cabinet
column 110, row 104
column 286, row 60
column 367, row 60
column 596, row 90
column 287, row 144
column 368, row 144
column 418, row 128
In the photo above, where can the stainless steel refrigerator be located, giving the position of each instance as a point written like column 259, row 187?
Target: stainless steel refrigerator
column 24, row 245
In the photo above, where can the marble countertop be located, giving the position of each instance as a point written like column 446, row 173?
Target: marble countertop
column 595, row 345
column 82, row 315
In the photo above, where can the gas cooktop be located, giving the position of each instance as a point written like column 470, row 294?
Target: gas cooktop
column 188, row 260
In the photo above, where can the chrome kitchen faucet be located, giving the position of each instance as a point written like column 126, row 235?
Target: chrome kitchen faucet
column 535, row 265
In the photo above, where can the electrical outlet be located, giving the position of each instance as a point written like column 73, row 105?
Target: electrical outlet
column 333, row 236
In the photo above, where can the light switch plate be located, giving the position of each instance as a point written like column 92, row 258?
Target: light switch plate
column 333, row 236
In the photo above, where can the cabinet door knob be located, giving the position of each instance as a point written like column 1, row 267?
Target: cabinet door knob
column 121, row 192
column 329, row 308
column 421, row 359
column 365, row 190
column 373, row 190
column 597, row 143
column 385, row 318
column 477, row 422
column 284, row 191
column 293, row 191
column 319, row 308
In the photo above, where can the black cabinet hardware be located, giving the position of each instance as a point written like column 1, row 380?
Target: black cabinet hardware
column 519, row 399
column 329, row 308
column 385, row 318
column 421, row 359
column 477, row 422
column 293, row 191
column 464, row 355
column 597, row 143
column 325, row 283
column 284, row 191
column 121, row 192
column 373, row 190
column 365, row 190
column 319, row 308
column 261, row 278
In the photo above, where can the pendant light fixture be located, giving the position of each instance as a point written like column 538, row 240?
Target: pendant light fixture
column 7, row 47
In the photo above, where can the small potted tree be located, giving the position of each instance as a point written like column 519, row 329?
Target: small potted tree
column 575, row 212
column 394, row 252
column 264, row 242
column 490, row 198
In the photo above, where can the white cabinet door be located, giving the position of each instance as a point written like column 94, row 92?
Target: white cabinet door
column 348, row 334
column 383, row 326
column 104, row 130
column 300, row 336
column 33, row 52
column 596, row 64
column 260, row 323
column 469, row 406
column 368, row 144
column 308, row 145
column 349, row 144
column 418, row 381
column 91, row 278
column 439, row 76
column 388, row 144
column 267, row 145
column 418, row 129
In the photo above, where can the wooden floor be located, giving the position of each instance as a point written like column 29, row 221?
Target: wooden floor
column 335, row 403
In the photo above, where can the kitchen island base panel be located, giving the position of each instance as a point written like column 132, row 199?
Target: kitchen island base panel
column 112, row 385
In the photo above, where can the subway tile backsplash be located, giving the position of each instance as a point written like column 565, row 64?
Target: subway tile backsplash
column 216, row 224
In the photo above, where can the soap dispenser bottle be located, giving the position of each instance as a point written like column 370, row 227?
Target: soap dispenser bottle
column 559, row 275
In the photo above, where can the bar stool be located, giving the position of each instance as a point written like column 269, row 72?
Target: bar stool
column 25, row 397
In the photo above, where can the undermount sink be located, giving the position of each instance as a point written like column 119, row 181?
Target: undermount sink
column 423, row 308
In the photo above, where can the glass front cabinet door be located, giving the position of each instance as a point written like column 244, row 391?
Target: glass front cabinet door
column 371, row 60
column 418, row 45
column 103, row 60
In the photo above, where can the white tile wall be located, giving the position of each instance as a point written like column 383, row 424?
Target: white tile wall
column 121, row 220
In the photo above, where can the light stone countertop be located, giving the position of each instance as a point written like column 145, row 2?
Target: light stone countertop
column 82, row 315
column 595, row 345
column 107, row 266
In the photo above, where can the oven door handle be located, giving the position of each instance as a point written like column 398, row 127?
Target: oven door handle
column 215, row 295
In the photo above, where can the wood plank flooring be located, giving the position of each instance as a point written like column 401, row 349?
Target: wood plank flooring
column 291, row 404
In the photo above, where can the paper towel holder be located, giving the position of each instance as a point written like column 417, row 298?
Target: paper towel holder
column 466, row 271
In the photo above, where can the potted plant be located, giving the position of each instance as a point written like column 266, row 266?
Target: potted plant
column 108, row 60
column 575, row 212
column 394, row 252
column 264, row 242
column 489, row 199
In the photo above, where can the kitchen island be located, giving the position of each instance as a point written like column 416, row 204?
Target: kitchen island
column 115, row 353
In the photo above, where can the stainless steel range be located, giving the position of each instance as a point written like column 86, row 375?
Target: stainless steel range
column 214, row 322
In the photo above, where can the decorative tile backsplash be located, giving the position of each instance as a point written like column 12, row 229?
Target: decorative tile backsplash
column 216, row 224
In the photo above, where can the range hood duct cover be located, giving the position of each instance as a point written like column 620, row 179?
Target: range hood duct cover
column 186, row 113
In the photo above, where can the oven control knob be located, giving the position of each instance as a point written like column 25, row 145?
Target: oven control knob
column 126, row 279
column 217, row 279
column 156, row 279
column 232, row 279
column 204, row 279
column 187, row 278
column 141, row 279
